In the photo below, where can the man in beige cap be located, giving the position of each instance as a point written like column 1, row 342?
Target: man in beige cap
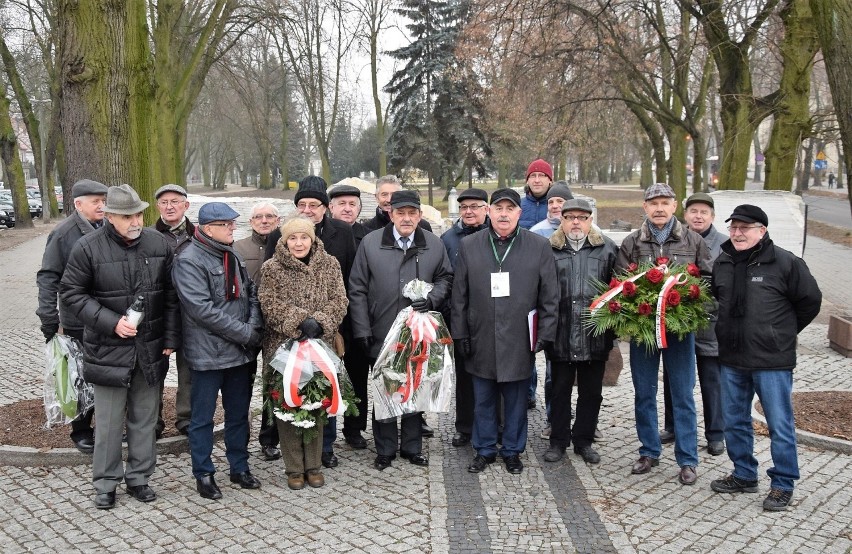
column 125, row 361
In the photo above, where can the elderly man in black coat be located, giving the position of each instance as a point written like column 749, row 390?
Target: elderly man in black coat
column 505, row 280
column 124, row 360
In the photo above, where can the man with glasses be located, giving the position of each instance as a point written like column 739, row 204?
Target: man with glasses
column 263, row 220
column 385, row 187
column 222, row 332
column 663, row 236
column 312, row 202
column 178, row 230
column 473, row 217
column 766, row 297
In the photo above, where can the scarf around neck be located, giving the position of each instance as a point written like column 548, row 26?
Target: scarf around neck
column 229, row 258
column 661, row 235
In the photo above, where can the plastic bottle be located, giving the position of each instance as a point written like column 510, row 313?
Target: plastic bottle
column 136, row 311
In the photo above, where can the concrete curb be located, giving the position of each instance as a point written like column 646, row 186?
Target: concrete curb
column 25, row 456
column 811, row 439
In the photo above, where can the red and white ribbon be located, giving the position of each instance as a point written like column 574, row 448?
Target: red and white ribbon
column 304, row 355
column 424, row 331
column 601, row 301
column 662, row 302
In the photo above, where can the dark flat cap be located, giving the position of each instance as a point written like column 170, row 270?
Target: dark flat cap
column 344, row 190
column 403, row 198
column 85, row 187
column 216, row 211
column 170, row 188
column 473, row 194
column 506, row 194
column 702, row 197
column 659, row 189
column 576, row 204
column 749, row 214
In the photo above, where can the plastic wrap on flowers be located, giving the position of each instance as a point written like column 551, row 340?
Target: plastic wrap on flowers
column 66, row 394
column 309, row 384
column 414, row 371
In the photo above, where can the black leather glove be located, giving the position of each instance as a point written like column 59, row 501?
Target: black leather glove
column 48, row 331
column 311, row 329
column 466, row 347
column 365, row 344
column 422, row 305
column 255, row 340
column 546, row 345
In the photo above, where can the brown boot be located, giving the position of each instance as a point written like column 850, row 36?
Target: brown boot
column 296, row 481
column 315, row 478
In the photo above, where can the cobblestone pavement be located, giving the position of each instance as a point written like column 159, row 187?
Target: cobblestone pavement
column 563, row 507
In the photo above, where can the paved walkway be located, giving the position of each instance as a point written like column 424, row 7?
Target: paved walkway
column 563, row 507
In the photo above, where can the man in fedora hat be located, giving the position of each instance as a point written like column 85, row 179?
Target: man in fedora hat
column 89, row 198
column 126, row 362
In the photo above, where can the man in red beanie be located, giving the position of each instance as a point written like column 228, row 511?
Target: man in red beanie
column 534, row 203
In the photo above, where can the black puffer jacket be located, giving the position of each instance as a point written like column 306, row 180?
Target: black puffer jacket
column 103, row 276
column 782, row 298
column 575, row 272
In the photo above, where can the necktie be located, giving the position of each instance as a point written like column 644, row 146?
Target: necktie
column 404, row 242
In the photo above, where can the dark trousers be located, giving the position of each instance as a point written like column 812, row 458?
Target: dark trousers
column 409, row 437
column 589, row 377
column 464, row 395
column 268, row 435
column 710, row 381
column 81, row 426
column 358, row 368
column 235, row 383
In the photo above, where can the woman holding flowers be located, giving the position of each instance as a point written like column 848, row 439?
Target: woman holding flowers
column 302, row 296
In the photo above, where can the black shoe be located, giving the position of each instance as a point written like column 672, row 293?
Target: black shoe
column 356, row 441
column 777, row 500
column 207, row 487
column 184, row 430
column 85, row 444
column 142, row 493
column 246, row 480
column 554, row 454
column 715, row 448
column 105, row 500
column 666, row 437
column 416, row 459
column 270, row 453
column 513, row 464
column 329, row 459
column 530, row 403
column 427, row 431
column 588, row 454
column 461, row 439
column 480, row 462
column 382, row 462
column 733, row 484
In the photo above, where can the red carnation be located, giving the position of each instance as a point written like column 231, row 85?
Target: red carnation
column 629, row 289
column 633, row 266
column 693, row 270
column 694, row 291
column 673, row 298
column 644, row 309
column 275, row 395
column 398, row 347
column 614, row 283
column 662, row 260
column 326, row 402
column 654, row 275
column 614, row 307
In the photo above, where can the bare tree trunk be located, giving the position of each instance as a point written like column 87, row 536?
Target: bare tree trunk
column 12, row 162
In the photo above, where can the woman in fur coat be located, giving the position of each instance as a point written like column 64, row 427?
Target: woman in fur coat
column 301, row 296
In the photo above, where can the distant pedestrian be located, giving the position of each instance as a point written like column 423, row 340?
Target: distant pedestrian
column 831, row 180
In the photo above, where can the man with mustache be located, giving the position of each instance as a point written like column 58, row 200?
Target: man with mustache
column 385, row 187
column 663, row 236
column 125, row 362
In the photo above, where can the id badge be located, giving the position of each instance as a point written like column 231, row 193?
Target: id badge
column 499, row 285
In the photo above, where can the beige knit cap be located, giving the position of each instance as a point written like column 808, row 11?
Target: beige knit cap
column 298, row 224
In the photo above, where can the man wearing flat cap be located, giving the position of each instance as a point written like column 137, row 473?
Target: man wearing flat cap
column 89, row 198
column 661, row 235
column 222, row 328
column 344, row 203
column 387, row 260
column 473, row 217
column 177, row 229
column 699, row 213
column 504, row 275
column 124, row 360
column 766, row 297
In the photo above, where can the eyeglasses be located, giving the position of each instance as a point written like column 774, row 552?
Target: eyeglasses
column 308, row 206
column 577, row 217
column 228, row 224
column 264, row 216
column 743, row 229
column 173, row 203
column 471, row 208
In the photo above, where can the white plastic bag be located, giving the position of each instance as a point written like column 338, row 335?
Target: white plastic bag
column 66, row 394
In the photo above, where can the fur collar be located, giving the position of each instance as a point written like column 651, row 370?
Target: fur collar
column 558, row 240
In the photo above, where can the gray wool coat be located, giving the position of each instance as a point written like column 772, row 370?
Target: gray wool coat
column 497, row 327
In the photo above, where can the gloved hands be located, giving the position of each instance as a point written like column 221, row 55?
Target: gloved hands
column 255, row 340
column 48, row 331
column 546, row 345
column 311, row 329
column 466, row 347
column 422, row 305
column 365, row 343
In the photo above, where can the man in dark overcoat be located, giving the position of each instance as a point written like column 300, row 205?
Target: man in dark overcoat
column 505, row 284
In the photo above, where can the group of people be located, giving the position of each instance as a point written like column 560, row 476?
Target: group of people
column 507, row 293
